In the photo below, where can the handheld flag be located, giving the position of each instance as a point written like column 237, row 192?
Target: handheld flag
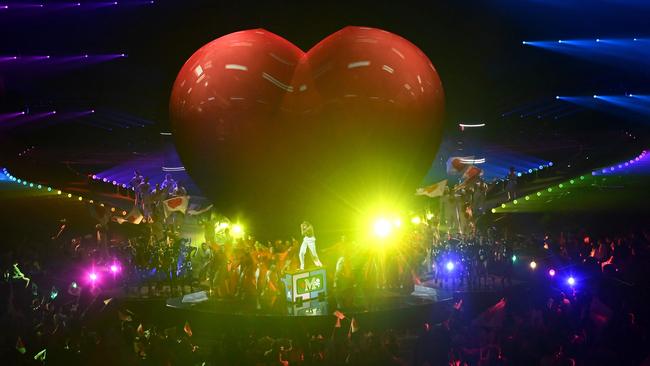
column 187, row 329
column 179, row 203
column 434, row 190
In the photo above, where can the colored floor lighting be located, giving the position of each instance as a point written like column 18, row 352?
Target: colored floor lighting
column 623, row 166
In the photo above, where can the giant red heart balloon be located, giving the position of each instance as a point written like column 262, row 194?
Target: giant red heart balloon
column 278, row 135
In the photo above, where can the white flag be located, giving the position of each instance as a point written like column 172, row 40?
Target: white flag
column 179, row 203
column 434, row 190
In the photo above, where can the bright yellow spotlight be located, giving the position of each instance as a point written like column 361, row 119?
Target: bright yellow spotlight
column 429, row 216
column 382, row 228
column 237, row 230
column 397, row 222
column 533, row 265
column 69, row 195
column 58, row 192
column 416, row 220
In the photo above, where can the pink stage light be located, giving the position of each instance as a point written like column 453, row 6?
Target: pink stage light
column 92, row 277
column 551, row 272
column 115, row 268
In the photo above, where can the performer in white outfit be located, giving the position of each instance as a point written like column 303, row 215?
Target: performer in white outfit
column 309, row 240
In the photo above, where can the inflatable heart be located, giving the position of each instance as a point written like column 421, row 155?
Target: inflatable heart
column 279, row 136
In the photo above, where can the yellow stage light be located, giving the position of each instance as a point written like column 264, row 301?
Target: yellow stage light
column 382, row 228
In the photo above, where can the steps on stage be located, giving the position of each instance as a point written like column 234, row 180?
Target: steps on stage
column 304, row 285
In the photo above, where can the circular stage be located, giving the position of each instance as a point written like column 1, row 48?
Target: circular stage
column 386, row 307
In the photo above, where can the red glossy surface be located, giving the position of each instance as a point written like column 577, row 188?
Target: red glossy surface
column 268, row 129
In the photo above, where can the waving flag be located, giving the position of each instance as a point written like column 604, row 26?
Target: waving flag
column 193, row 212
column 456, row 164
column 434, row 190
column 179, row 203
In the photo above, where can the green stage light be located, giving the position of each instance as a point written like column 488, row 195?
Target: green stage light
column 514, row 258
column 582, row 177
column 494, row 210
column 527, row 198
column 561, row 185
column 539, row 194
column 572, row 181
column 503, row 205
column 550, row 189
column 49, row 189
column 515, row 202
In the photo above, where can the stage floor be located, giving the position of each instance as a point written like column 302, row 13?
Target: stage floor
column 375, row 301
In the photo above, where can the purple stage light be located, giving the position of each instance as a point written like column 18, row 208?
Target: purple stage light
column 450, row 266
column 551, row 272
column 115, row 268
column 8, row 116
column 93, row 277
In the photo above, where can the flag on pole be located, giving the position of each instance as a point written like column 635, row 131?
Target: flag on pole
column 455, row 164
column 179, row 203
column 187, row 329
column 193, row 212
column 434, row 190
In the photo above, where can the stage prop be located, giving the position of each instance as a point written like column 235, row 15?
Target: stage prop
column 304, row 285
column 277, row 135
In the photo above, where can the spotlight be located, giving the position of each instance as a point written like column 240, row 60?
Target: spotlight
column 571, row 281
column 514, row 258
column 597, row 39
column 595, row 96
column 494, row 210
column 237, row 230
column 533, row 264
column 551, row 272
column 450, row 266
column 524, row 42
column 559, row 41
column 92, row 276
column 557, row 97
column 415, row 220
column 114, row 268
column 382, row 228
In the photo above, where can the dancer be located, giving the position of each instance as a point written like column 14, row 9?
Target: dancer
column 309, row 240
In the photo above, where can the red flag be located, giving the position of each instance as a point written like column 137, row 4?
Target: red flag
column 187, row 329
